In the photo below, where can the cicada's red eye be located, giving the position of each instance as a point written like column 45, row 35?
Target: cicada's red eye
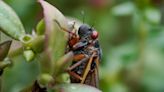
column 94, row 35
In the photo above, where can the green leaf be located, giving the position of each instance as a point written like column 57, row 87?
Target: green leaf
column 20, row 75
column 10, row 23
column 153, row 15
column 76, row 88
column 40, row 29
column 124, row 9
column 55, row 37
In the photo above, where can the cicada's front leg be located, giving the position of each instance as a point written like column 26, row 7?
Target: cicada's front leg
column 64, row 29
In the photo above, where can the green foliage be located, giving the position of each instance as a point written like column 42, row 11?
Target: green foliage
column 54, row 43
column 20, row 75
column 124, row 9
column 131, row 35
column 46, row 48
column 10, row 23
column 40, row 28
column 153, row 15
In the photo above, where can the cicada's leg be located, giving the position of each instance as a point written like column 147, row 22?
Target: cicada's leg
column 71, row 73
column 87, row 69
column 70, row 32
column 73, row 26
column 76, row 65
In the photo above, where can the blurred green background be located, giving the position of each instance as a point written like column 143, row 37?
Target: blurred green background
column 131, row 35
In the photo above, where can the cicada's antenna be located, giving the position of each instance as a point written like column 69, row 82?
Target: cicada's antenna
column 92, row 26
column 83, row 15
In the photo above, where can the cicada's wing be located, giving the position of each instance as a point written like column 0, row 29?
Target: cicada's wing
column 88, row 73
column 92, row 78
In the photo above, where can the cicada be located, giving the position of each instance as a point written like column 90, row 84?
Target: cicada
column 84, row 44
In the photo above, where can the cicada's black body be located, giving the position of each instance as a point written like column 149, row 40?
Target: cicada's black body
column 87, row 53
